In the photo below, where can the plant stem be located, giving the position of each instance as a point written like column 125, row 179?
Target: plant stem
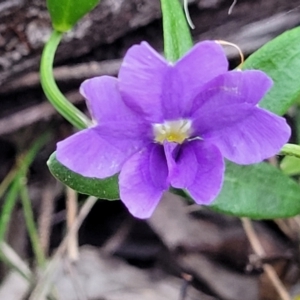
column 54, row 95
column 176, row 32
column 8, row 207
column 23, row 163
column 30, row 224
column 8, row 180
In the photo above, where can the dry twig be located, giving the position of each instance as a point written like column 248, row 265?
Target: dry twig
column 44, row 283
column 31, row 115
column 72, row 209
column 45, row 218
column 78, row 72
column 260, row 252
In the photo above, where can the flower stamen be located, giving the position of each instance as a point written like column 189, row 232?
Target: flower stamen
column 172, row 131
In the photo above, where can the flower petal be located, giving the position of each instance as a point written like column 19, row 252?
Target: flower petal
column 228, row 99
column 141, row 78
column 107, row 107
column 259, row 136
column 92, row 155
column 205, row 61
column 143, row 179
column 197, row 167
column 238, row 87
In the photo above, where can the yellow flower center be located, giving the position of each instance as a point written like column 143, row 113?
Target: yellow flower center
column 172, row 131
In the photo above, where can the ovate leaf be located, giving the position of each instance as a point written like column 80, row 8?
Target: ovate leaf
column 280, row 59
column 259, row 191
column 290, row 165
column 102, row 188
column 66, row 13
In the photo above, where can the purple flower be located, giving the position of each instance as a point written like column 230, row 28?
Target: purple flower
column 163, row 124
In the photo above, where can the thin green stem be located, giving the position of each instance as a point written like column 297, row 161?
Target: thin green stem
column 8, row 207
column 177, row 36
column 54, row 95
column 291, row 150
column 30, row 223
column 8, row 180
column 23, row 164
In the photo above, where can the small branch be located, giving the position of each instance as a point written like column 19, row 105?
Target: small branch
column 67, row 73
column 184, row 288
column 231, row 7
column 71, row 213
column 112, row 244
column 12, row 259
column 28, row 116
column 44, row 283
column 259, row 250
column 45, row 218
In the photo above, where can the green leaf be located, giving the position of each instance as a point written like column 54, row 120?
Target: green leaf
column 290, row 165
column 66, row 13
column 102, row 188
column 280, row 59
column 177, row 36
column 259, row 191
column 291, row 150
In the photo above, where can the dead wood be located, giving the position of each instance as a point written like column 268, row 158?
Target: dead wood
column 25, row 26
